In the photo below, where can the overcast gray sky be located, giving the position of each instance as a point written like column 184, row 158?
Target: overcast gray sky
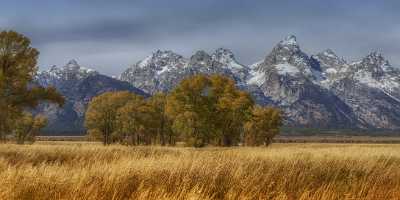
column 111, row 35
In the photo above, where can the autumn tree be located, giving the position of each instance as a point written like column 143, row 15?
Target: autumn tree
column 190, row 107
column 27, row 127
column 262, row 126
column 128, row 118
column 209, row 109
column 142, row 121
column 101, row 115
column 17, row 67
column 130, row 121
column 160, row 120
column 232, row 109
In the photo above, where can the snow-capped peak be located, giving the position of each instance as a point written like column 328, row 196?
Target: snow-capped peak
column 226, row 58
column 225, row 54
column 161, row 58
column 289, row 41
column 165, row 54
column 158, row 62
column 329, row 53
column 375, row 71
column 375, row 58
column 72, row 64
column 374, row 63
column 53, row 67
column 200, row 58
column 329, row 62
column 72, row 71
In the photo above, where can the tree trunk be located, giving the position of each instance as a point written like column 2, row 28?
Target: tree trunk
column 162, row 137
column 227, row 141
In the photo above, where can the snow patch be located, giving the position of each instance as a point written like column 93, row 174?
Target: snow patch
column 287, row 68
column 387, row 83
column 331, row 71
column 255, row 65
column 257, row 78
column 366, row 78
column 330, row 54
column 289, row 40
column 144, row 62
column 235, row 65
column 164, row 69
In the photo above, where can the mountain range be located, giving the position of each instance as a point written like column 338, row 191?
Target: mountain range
column 313, row 91
column 78, row 85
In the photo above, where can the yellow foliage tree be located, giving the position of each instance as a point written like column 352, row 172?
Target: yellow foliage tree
column 160, row 120
column 209, row 109
column 101, row 115
column 28, row 126
column 262, row 126
column 189, row 105
column 130, row 121
column 232, row 108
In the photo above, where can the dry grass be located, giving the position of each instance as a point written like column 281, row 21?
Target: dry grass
column 284, row 171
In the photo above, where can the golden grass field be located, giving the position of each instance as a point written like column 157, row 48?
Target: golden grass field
column 78, row 170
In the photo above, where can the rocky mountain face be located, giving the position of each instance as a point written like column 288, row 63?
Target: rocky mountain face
column 78, row 85
column 163, row 70
column 319, row 91
column 371, row 88
column 292, row 80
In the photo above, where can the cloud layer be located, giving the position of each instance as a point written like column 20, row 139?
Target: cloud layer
column 109, row 36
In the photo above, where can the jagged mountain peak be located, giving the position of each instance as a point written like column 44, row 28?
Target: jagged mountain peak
column 200, row 53
column 288, row 59
column 375, row 58
column 71, row 71
column 72, row 64
column 289, row 40
column 287, row 50
column 165, row 53
column 328, row 53
column 374, row 63
column 226, row 58
column 329, row 62
column 161, row 58
column 224, row 53
column 52, row 68
column 201, row 58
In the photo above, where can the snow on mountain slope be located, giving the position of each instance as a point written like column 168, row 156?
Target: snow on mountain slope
column 72, row 71
column 375, row 71
column 162, row 70
column 286, row 68
column 292, row 80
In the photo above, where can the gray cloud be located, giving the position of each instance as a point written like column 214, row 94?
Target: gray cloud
column 109, row 36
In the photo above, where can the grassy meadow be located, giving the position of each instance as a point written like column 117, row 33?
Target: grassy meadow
column 84, row 170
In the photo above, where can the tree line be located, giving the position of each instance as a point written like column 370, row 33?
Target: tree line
column 202, row 110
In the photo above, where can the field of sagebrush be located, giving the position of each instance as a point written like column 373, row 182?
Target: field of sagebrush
column 62, row 170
